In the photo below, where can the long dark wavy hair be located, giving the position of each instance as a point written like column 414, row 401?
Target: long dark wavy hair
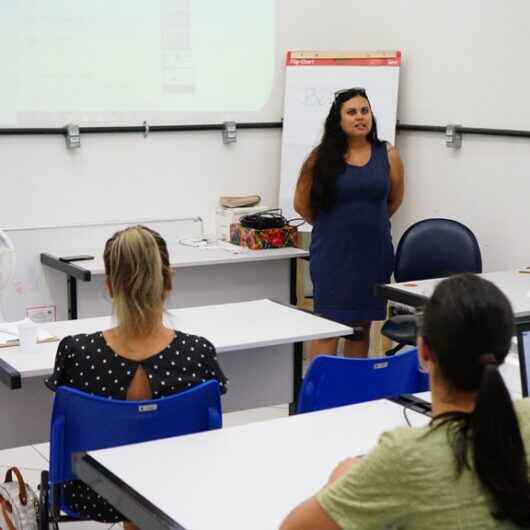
column 330, row 153
column 468, row 324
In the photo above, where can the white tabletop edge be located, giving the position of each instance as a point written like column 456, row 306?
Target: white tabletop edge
column 275, row 342
column 42, row 372
column 287, row 325
column 513, row 283
column 200, row 257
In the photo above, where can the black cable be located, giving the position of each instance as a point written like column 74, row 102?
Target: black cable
column 299, row 221
column 405, row 408
column 272, row 218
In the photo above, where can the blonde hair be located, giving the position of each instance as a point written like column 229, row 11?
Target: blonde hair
column 137, row 268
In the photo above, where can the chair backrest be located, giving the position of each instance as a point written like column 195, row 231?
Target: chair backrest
column 83, row 422
column 335, row 381
column 434, row 248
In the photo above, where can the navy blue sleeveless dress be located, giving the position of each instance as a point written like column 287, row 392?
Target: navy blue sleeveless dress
column 351, row 245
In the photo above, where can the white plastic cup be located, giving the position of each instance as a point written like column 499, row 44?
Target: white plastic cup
column 27, row 333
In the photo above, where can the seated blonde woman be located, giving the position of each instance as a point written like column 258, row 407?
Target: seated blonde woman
column 138, row 359
column 468, row 469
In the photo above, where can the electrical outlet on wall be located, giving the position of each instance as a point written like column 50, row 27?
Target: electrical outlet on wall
column 41, row 314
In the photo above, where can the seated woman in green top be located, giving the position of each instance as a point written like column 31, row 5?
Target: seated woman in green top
column 468, row 468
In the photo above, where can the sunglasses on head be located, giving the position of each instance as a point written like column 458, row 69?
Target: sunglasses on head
column 356, row 91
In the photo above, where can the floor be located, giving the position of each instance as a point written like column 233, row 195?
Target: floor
column 32, row 459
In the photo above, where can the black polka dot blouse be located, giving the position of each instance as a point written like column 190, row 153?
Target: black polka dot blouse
column 87, row 362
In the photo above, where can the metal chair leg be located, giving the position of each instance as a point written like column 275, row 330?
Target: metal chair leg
column 44, row 497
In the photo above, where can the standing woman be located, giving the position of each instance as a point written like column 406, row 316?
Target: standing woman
column 349, row 187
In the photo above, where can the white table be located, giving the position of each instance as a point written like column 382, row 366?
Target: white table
column 258, row 342
column 515, row 284
column 217, row 273
column 238, row 478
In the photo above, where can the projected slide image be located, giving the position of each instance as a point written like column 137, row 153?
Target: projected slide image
column 88, row 59
column 175, row 38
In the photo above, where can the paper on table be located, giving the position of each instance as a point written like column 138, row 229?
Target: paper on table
column 9, row 334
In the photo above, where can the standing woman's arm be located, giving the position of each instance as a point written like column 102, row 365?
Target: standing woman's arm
column 397, row 181
column 302, row 194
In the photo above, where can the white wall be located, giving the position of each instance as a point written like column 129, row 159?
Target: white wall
column 126, row 175
column 485, row 185
column 464, row 62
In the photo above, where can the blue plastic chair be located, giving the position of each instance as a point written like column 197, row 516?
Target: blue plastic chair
column 335, row 381
column 84, row 422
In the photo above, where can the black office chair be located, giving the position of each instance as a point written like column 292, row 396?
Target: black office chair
column 432, row 248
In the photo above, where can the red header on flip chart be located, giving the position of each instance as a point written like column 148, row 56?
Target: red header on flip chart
column 344, row 58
